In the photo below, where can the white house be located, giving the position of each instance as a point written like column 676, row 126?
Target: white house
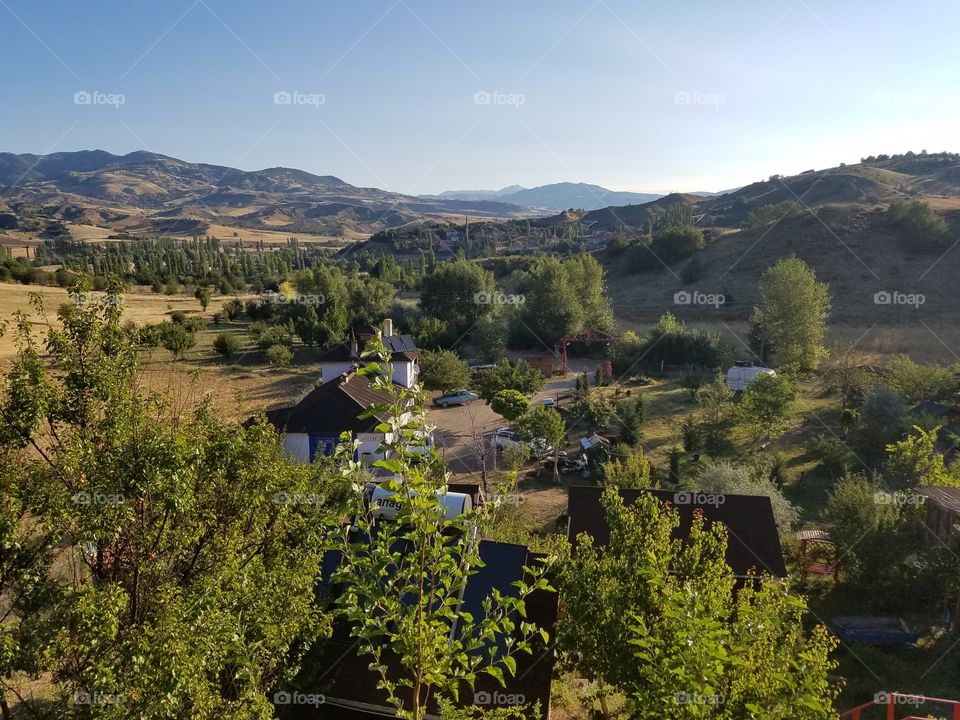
column 403, row 348
column 314, row 424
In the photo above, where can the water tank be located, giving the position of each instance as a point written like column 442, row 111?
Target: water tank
column 384, row 504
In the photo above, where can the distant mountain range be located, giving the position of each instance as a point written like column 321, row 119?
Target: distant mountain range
column 144, row 192
column 556, row 196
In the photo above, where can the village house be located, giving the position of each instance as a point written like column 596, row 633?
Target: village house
column 345, row 356
column 943, row 513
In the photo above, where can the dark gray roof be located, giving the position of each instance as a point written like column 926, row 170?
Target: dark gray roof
column 753, row 543
column 946, row 497
column 332, row 408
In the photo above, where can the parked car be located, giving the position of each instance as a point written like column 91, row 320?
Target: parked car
column 742, row 372
column 549, row 402
column 455, row 397
column 507, row 437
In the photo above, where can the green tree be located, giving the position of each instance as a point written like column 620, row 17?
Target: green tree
column 913, row 461
column 659, row 621
column 511, row 404
column 460, row 292
column 766, row 404
column 176, row 338
column 226, row 344
column 415, row 621
column 279, row 355
column 594, row 409
column 202, row 294
column 918, row 219
column 182, row 583
column 715, row 417
column 631, row 472
column 793, row 313
column 443, row 370
column 628, row 418
column 882, row 421
column 915, row 382
column 677, row 241
column 544, row 424
column 490, row 338
column 725, row 477
column 507, row 375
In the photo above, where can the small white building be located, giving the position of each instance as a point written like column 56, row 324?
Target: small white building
column 314, row 424
column 404, row 355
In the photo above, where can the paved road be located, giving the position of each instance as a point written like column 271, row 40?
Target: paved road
column 457, row 426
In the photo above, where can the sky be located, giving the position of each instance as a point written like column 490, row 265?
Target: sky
column 421, row 96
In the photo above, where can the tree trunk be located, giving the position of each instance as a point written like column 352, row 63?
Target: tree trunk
column 5, row 709
column 603, row 705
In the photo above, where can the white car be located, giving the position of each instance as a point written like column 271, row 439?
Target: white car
column 740, row 375
column 507, row 437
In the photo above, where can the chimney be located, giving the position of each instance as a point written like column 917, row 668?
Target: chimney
column 387, row 328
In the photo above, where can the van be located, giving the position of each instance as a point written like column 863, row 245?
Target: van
column 742, row 372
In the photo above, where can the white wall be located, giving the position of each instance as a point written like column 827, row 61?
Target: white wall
column 297, row 446
column 330, row 371
column 405, row 373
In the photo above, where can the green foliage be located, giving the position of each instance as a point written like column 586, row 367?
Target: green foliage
column 677, row 242
column 915, row 382
column 511, row 404
column 457, row 291
column 490, row 338
column 594, row 409
column 233, row 309
column 875, row 532
column 766, row 404
column 631, row 472
column 414, row 621
column 913, row 461
column 562, row 297
column 672, row 343
column 834, row 455
column 658, row 620
column 176, row 338
column 715, row 416
column 628, row 419
column 226, row 344
column 443, row 370
column 202, row 294
column 882, row 421
column 181, row 584
column 793, row 313
column 918, row 219
column 279, row 355
column 773, row 212
column 725, row 477
column 507, row 375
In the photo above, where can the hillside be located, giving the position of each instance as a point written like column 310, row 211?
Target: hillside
column 146, row 192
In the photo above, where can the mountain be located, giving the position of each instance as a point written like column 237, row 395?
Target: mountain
column 144, row 192
column 557, row 196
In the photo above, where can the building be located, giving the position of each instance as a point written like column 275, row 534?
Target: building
column 349, row 686
column 313, row 425
column 753, row 545
column 345, row 356
column 943, row 513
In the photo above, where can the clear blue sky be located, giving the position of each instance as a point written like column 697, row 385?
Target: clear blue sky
column 631, row 95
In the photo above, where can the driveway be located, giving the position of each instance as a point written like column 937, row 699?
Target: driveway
column 460, row 428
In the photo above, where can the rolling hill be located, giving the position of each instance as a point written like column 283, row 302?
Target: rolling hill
column 556, row 196
column 146, row 192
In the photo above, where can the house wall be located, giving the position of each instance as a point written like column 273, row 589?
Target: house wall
column 329, row 371
column 405, row 373
column 297, row 446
